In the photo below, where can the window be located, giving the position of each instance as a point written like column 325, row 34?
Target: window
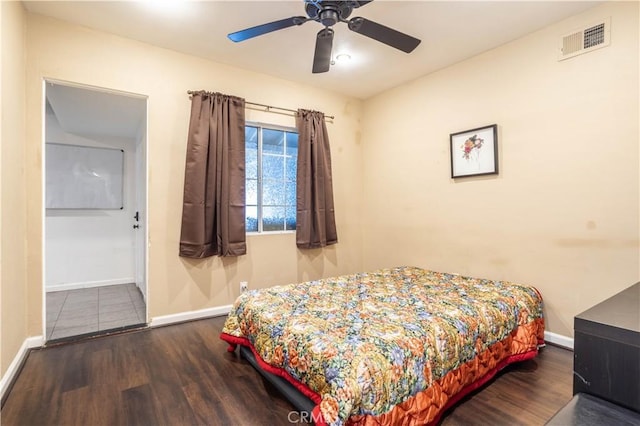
column 271, row 157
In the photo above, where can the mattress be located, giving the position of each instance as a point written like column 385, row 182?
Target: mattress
column 392, row 346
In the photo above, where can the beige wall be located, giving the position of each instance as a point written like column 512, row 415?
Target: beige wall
column 13, row 317
column 60, row 51
column 563, row 212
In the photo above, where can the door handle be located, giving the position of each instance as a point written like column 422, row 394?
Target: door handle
column 137, row 217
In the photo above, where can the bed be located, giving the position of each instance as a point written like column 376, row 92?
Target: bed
column 396, row 346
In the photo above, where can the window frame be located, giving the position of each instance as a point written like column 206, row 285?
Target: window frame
column 261, row 126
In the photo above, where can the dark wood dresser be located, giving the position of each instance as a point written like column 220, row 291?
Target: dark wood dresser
column 606, row 350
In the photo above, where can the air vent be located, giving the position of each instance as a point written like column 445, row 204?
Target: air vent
column 585, row 40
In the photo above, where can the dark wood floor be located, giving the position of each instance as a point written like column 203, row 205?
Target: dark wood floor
column 183, row 375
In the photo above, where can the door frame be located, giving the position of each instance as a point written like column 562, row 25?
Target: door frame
column 144, row 222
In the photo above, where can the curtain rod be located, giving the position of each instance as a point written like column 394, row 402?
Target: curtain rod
column 267, row 108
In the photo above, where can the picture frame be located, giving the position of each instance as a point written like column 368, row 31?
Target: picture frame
column 474, row 152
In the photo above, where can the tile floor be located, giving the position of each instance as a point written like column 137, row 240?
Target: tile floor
column 90, row 310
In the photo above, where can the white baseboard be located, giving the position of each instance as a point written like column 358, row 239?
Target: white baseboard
column 189, row 316
column 14, row 367
column 558, row 339
column 89, row 284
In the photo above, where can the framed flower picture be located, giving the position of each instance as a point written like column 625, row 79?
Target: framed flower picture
column 474, row 152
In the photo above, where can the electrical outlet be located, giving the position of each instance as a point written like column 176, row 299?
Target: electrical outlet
column 244, row 286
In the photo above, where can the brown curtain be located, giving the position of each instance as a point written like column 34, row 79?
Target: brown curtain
column 315, row 216
column 213, row 217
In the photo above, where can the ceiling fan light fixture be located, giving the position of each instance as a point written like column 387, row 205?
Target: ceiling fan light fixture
column 343, row 57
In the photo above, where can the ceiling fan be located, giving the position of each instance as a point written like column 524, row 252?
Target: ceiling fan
column 329, row 13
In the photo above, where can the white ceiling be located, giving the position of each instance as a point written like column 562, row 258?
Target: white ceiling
column 90, row 113
column 451, row 31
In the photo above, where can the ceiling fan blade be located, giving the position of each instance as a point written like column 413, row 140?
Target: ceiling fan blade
column 258, row 30
column 386, row 35
column 322, row 57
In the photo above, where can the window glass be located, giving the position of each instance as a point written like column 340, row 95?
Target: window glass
column 271, row 160
column 272, row 219
column 290, row 196
column 251, row 221
column 251, row 152
column 251, row 192
column 272, row 166
column 272, row 192
column 292, row 144
column 290, row 218
column 273, row 141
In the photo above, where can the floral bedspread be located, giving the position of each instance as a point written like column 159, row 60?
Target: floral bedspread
column 369, row 341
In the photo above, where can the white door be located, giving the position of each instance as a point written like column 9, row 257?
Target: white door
column 140, row 219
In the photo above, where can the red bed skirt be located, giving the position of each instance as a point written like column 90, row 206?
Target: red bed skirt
column 428, row 406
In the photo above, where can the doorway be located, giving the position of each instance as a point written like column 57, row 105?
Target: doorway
column 95, row 205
